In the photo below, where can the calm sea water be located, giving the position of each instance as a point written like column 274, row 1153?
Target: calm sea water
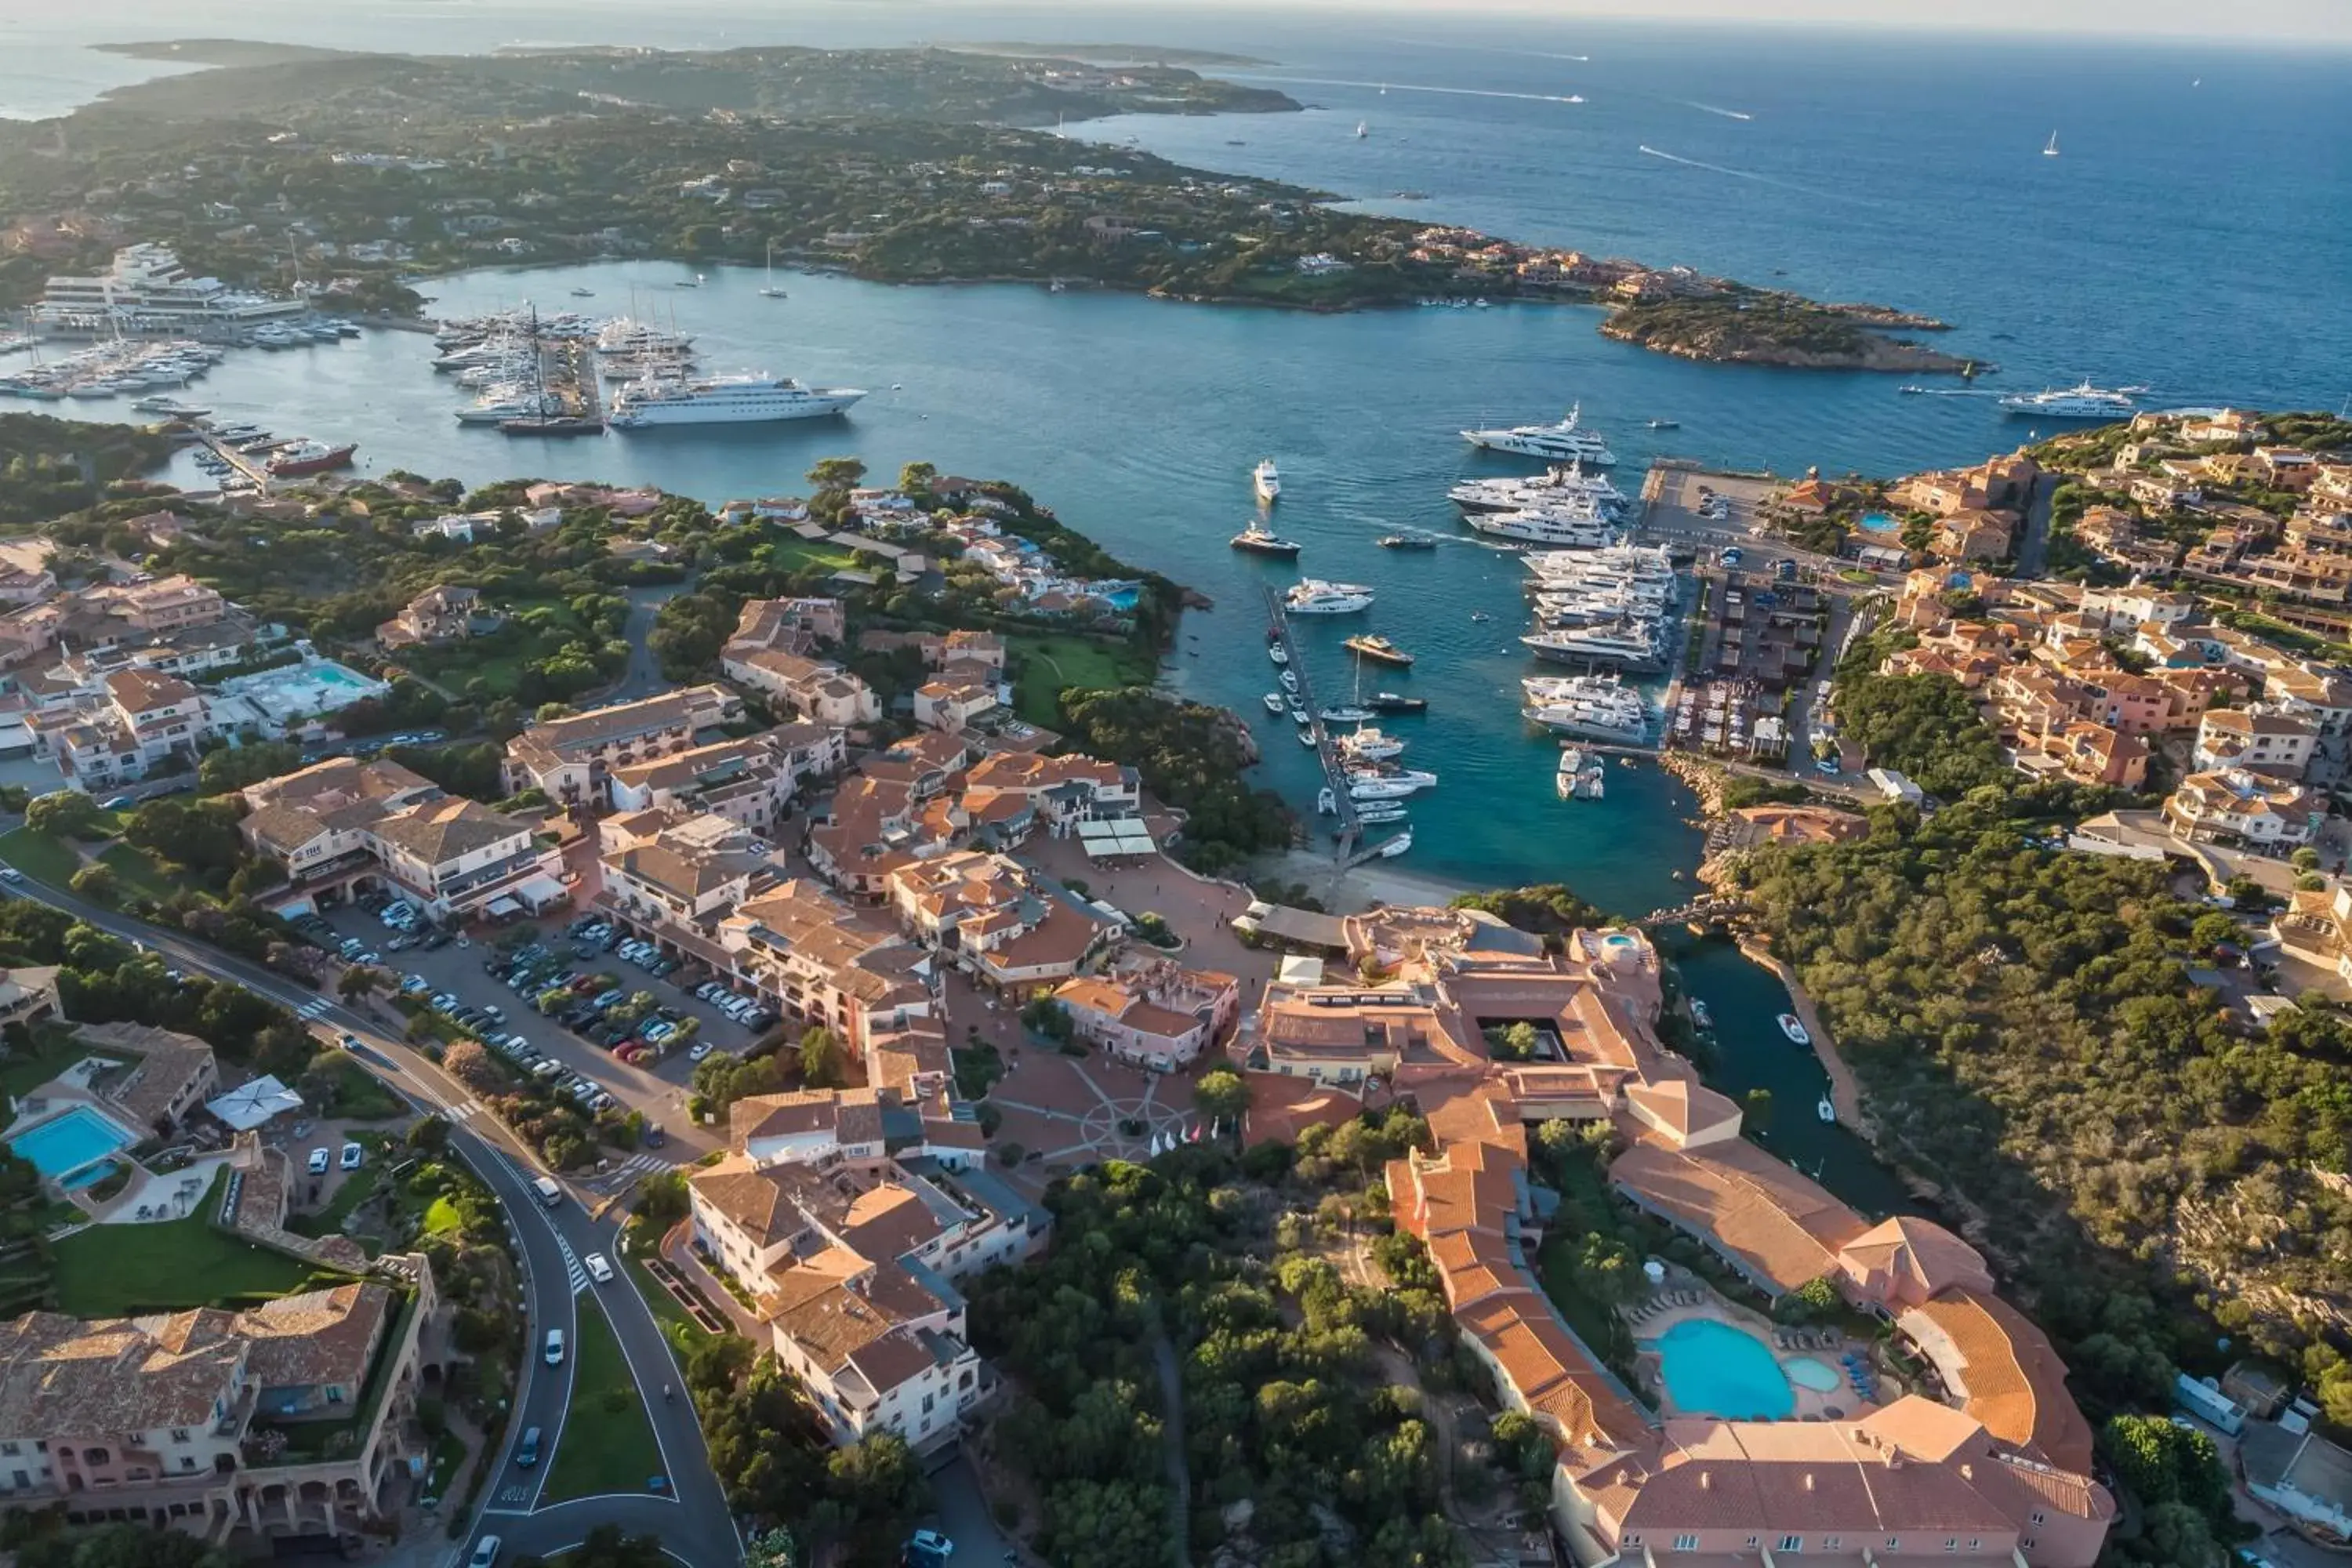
column 2191, row 238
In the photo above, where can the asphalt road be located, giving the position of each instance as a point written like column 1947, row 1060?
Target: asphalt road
column 643, row 677
column 692, row 1517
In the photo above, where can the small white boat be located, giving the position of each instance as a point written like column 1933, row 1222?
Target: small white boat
column 1384, row 812
column 1274, row 702
column 1826, row 1110
column 1795, row 1030
column 1563, row 777
column 1276, row 652
column 1700, row 1015
column 1369, row 745
column 1326, row 802
column 1267, row 481
column 1347, row 714
column 1289, row 681
column 1397, row 845
column 2051, row 149
column 1307, row 735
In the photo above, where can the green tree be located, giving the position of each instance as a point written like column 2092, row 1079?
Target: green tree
column 1221, row 1095
column 820, row 1059
column 97, row 882
column 64, row 814
column 359, row 981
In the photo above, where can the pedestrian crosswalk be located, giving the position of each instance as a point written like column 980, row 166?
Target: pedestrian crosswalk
column 316, row 1007
column 629, row 1172
column 464, row 1110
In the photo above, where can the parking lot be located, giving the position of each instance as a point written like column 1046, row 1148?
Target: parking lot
column 458, row 971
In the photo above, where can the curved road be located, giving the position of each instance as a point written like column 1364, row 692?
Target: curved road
column 692, row 1519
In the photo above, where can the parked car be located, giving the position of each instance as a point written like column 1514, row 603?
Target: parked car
column 555, row 1347
column 599, row 1269
column 318, row 1158
column 486, row 1549
column 352, row 1156
column 699, row 1049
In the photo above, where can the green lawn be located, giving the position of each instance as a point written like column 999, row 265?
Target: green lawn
column 790, row 553
column 678, row 1326
column 607, row 1444
column 359, row 1095
column 40, row 856
column 21, row 1072
column 329, row 1221
column 1049, row 663
column 138, row 871
column 114, row 1271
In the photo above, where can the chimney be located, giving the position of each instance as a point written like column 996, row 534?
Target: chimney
column 1967, row 1472
column 1705, row 1481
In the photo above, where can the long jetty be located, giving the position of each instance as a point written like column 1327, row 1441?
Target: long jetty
column 1326, row 751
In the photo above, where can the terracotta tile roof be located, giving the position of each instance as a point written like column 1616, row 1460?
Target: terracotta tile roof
column 2005, row 1372
column 1909, row 1260
column 1785, row 1226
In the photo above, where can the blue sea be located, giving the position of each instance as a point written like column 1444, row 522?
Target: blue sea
column 2190, row 238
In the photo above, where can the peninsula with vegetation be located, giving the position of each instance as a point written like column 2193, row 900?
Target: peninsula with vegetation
column 933, row 166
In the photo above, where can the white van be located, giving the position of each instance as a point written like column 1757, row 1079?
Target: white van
column 550, row 1195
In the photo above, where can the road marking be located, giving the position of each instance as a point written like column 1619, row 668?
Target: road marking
column 630, row 1172
column 572, row 1265
column 316, row 1007
column 519, row 1492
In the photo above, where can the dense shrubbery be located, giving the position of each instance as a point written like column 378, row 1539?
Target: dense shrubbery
column 1926, row 727
column 41, row 460
column 2022, row 1021
column 1159, row 1272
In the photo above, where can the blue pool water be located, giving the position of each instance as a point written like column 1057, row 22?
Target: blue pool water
column 88, row 1176
column 1806, row 1373
column 1713, row 1369
column 1878, row 523
column 66, row 1143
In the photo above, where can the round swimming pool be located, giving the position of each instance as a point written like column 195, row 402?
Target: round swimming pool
column 1818, row 1376
column 1713, row 1369
column 1879, row 523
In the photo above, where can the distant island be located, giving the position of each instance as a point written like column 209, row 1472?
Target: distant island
column 1742, row 326
column 1111, row 54
column 917, row 165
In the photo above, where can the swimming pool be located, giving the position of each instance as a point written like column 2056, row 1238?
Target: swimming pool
column 67, row 1142
column 1879, row 523
column 1806, row 1373
column 1713, row 1369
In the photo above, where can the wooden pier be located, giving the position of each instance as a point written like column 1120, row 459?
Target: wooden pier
column 1327, row 752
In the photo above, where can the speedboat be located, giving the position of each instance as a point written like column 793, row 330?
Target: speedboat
column 1391, row 702
column 1274, row 702
column 1700, row 1015
column 1307, row 735
column 1289, row 681
column 1326, row 802
column 1380, row 812
column 1379, row 649
column 1369, row 745
column 1276, row 652
column 1826, row 1110
column 1396, row 847
column 1408, row 542
column 1267, row 481
column 1795, row 1030
column 1345, row 714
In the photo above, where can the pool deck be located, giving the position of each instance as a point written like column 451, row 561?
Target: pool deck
column 1810, row 1404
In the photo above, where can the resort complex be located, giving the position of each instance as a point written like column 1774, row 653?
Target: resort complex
column 1989, row 1461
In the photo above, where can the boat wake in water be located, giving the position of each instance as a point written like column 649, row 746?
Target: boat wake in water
column 1711, row 108
column 1408, row 87
column 1748, row 175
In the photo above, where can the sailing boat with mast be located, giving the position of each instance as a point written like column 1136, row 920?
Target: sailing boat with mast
column 771, row 291
column 2051, row 149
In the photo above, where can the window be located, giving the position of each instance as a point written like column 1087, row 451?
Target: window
column 8, row 1448
column 1790, row 1543
column 1682, row 1543
column 2037, row 1517
column 179, row 1434
column 1630, row 1540
column 1975, row 1543
column 1831, row 1543
column 2026, row 1544
column 1951, row 1543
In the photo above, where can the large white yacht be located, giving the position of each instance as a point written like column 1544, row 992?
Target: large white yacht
column 1314, row 597
column 1626, row 645
column 1594, row 707
column 1566, row 482
column 1581, row 528
column 1267, row 481
column 1560, row 443
column 2080, row 402
column 724, row 400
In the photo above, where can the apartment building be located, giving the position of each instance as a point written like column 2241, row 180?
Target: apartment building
column 752, row 780
column 344, row 824
column 673, row 867
column 850, row 1254
column 814, row 960
column 1063, row 790
column 817, row 689
column 183, row 1420
column 146, row 719
column 2258, row 739
column 2236, row 806
column 993, row 918
column 1155, row 1014
column 571, row 759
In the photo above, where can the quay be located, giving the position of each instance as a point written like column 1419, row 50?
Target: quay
column 254, row 466
column 1327, row 752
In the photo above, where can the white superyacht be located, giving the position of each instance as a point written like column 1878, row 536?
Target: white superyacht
column 1566, row 441
column 724, row 400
